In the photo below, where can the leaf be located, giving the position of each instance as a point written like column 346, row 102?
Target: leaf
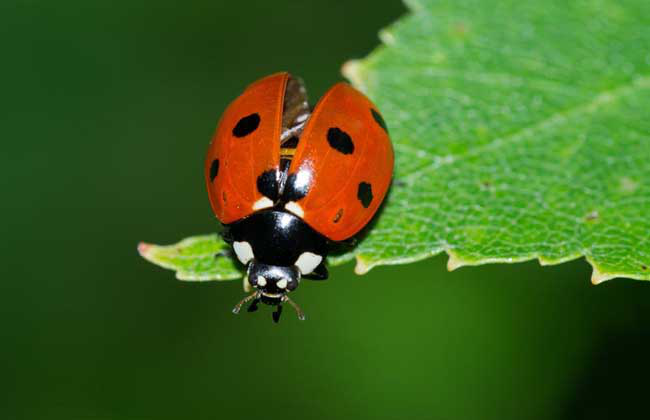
column 198, row 258
column 521, row 131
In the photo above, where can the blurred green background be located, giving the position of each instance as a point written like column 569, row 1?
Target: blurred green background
column 107, row 109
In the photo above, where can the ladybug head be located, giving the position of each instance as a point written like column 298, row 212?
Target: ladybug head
column 272, row 280
column 272, row 283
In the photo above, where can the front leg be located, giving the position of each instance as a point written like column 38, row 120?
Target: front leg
column 319, row 273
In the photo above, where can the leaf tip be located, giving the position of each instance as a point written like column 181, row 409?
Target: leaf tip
column 387, row 37
column 143, row 249
column 414, row 5
column 454, row 261
column 598, row 276
column 361, row 266
column 351, row 70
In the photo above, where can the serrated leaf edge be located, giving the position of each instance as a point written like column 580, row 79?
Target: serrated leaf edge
column 356, row 71
column 455, row 261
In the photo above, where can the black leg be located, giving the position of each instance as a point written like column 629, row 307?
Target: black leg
column 224, row 253
column 349, row 243
column 253, row 305
column 226, row 235
column 320, row 273
column 277, row 313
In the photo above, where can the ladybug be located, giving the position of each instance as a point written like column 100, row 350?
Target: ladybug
column 288, row 182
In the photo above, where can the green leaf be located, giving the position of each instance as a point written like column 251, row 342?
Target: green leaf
column 198, row 258
column 521, row 131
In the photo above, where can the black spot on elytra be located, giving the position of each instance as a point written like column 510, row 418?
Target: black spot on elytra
column 214, row 169
column 246, row 125
column 364, row 194
column 294, row 191
column 267, row 184
column 340, row 140
column 379, row 119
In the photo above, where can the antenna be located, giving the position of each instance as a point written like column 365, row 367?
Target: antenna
column 254, row 295
column 301, row 314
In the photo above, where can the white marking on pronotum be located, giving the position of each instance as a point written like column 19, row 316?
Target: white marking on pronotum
column 294, row 208
column 263, row 203
column 261, row 281
column 244, row 251
column 307, row 262
column 281, row 284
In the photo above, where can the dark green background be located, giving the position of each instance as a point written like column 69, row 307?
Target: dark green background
column 106, row 112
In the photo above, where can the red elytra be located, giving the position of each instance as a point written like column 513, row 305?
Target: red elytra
column 345, row 189
column 241, row 160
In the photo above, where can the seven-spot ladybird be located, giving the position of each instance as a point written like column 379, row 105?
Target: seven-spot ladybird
column 287, row 182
